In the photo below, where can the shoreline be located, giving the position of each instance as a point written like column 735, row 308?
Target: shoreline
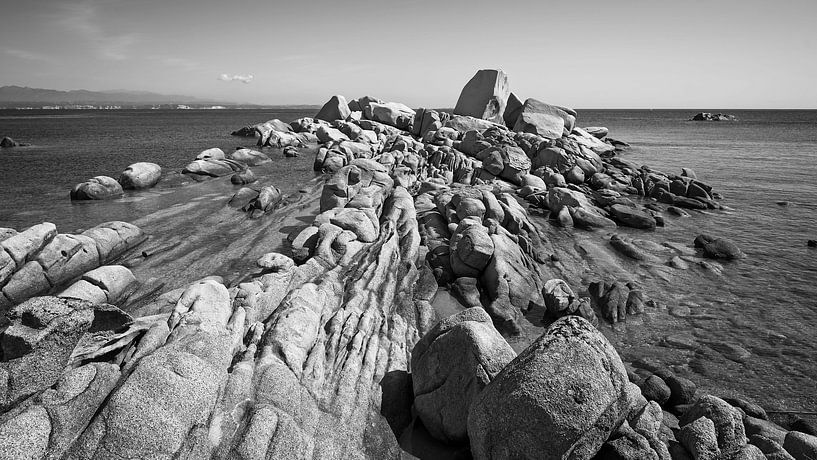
column 342, row 261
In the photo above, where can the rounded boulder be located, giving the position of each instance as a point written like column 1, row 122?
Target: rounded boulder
column 97, row 188
column 450, row 367
column 140, row 175
column 562, row 397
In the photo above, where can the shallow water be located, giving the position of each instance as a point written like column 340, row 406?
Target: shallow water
column 754, row 328
column 70, row 146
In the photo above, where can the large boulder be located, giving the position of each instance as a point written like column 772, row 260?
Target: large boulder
column 727, row 421
column 140, row 175
column 68, row 256
column 214, row 153
column 106, row 284
column 507, row 162
column 327, row 134
column 544, row 119
column 41, row 337
column 8, row 142
column 718, row 248
column 97, row 188
column 335, row 108
column 485, row 96
column 801, row 446
column 451, row 365
column 114, row 238
column 512, row 110
column 23, row 246
column 391, row 113
column 200, row 169
column 560, row 398
column 465, row 123
column 632, row 217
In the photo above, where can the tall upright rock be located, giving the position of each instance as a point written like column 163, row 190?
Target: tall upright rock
column 336, row 108
column 485, row 96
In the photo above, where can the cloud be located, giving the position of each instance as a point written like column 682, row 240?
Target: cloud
column 83, row 19
column 242, row 78
column 27, row 55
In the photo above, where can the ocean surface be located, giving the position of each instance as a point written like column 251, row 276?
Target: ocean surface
column 750, row 329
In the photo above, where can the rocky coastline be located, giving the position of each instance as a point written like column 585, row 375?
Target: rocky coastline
column 449, row 288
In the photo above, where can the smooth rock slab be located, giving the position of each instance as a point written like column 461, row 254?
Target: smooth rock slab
column 560, row 398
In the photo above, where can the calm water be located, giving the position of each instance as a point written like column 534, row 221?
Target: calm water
column 765, row 305
column 753, row 329
column 70, row 146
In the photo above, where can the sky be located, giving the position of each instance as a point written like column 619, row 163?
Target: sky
column 696, row 54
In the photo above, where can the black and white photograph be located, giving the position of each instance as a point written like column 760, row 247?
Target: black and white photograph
column 408, row 229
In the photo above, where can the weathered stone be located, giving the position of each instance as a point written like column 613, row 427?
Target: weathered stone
column 214, row 153
column 771, row 449
column 471, row 249
column 544, row 120
column 140, row 175
column 632, row 217
column 26, row 435
column 391, row 113
column 700, row 439
column 655, row 389
column 336, row 108
column 589, row 220
column 243, row 177
column 485, row 96
column 801, row 446
column 682, row 390
column 203, row 169
column 39, row 341
column 25, row 245
column 563, row 396
column 450, row 367
column 728, row 421
column 250, row 157
column 558, row 297
column 26, row 282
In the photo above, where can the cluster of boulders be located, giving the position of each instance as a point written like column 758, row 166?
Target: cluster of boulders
column 335, row 351
column 301, row 361
column 707, row 116
column 139, row 175
column 697, row 425
column 39, row 260
column 568, row 395
column 276, row 133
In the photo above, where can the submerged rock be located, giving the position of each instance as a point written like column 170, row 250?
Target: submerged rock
column 8, row 142
column 718, row 248
column 563, row 396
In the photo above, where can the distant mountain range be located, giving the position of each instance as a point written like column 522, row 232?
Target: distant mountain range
column 20, row 95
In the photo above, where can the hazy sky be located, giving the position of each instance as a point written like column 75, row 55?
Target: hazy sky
column 585, row 54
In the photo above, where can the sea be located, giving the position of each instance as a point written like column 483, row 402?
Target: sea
column 748, row 328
